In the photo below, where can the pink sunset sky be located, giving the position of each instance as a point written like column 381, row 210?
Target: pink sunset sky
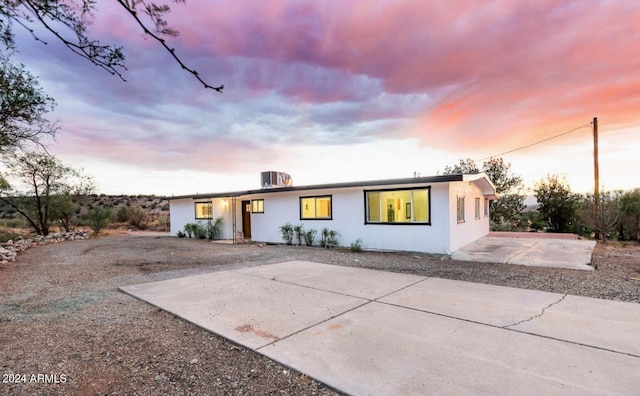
column 332, row 91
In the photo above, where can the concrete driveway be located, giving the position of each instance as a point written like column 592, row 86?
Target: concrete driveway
column 368, row 332
column 532, row 249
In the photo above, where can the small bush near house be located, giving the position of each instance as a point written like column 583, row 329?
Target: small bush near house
column 356, row 246
column 214, row 230
column 309, row 236
column 181, row 234
column 329, row 238
column 287, row 233
column 200, row 230
column 191, row 229
column 298, row 232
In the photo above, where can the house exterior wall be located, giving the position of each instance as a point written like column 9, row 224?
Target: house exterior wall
column 463, row 233
column 443, row 235
column 348, row 218
column 182, row 211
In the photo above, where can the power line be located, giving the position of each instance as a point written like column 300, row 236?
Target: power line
column 533, row 144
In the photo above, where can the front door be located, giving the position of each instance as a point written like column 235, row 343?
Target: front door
column 246, row 219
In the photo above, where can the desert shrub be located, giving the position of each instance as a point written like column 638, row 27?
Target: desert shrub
column 122, row 215
column 287, row 233
column 191, row 229
column 298, row 232
column 98, row 218
column 5, row 236
column 161, row 224
column 329, row 238
column 356, row 246
column 138, row 218
column 309, row 236
column 214, row 229
column 181, row 234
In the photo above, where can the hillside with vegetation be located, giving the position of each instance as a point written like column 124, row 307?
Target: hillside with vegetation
column 125, row 212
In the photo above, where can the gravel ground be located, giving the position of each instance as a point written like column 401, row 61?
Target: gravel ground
column 66, row 329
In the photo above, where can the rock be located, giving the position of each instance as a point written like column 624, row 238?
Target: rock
column 10, row 249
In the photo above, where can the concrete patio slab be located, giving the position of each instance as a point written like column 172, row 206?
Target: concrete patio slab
column 245, row 309
column 538, row 252
column 386, row 350
column 477, row 302
column 357, row 282
column 411, row 334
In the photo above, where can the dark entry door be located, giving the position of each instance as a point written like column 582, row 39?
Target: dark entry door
column 246, row 218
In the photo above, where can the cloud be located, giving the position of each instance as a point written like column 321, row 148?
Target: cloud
column 474, row 79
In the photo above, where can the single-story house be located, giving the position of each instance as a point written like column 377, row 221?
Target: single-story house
column 436, row 214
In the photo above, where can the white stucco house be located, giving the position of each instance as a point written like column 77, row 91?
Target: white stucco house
column 436, row 214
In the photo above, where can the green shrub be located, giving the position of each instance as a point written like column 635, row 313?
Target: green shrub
column 356, row 246
column 98, row 218
column 191, row 229
column 287, row 233
column 329, row 238
column 214, row 230
column 309, row 237
column 181, row 234
column 298, row 232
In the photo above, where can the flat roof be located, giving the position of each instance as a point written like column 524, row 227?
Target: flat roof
column 371, row 183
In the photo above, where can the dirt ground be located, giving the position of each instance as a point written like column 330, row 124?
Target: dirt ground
column 66, row 329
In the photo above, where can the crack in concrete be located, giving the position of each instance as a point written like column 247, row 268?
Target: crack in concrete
column 507, row 261
column 538, row 315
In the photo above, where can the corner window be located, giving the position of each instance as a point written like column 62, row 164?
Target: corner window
column 204, row 210
column 486, row 207
column 477, row 202
column 460, row 209
column 316, row 208
column 257, row 206
column 398, row 206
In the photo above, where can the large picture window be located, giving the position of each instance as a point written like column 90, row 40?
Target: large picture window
column 315, row 208
column 398, row 206
column 204, row 210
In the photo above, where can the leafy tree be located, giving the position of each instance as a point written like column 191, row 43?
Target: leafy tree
column 504, row 212
column 557, row 204
column 467, row 166
column 609, row 213
column 23, row 105
column 67, row 205
column 43, row 180
column 630, row 224
column 68, row 21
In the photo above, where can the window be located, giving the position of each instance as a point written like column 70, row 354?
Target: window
column 204, row 210
column 477, row 202
column 257, row 206
column 486, row 207
column 398, row 206
column 460, row 209
column 315, row 208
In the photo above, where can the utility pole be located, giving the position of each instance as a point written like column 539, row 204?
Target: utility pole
column 596, row 175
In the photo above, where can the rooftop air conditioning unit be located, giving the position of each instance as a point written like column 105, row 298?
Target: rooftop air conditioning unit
column 271, row 179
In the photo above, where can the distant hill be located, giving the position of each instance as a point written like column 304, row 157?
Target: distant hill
column 155, row 208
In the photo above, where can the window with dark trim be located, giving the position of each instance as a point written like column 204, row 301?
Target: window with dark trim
column 257, row 206
column 460, row 209
column 204, row 210
column 316, row 208
column 408, row 206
